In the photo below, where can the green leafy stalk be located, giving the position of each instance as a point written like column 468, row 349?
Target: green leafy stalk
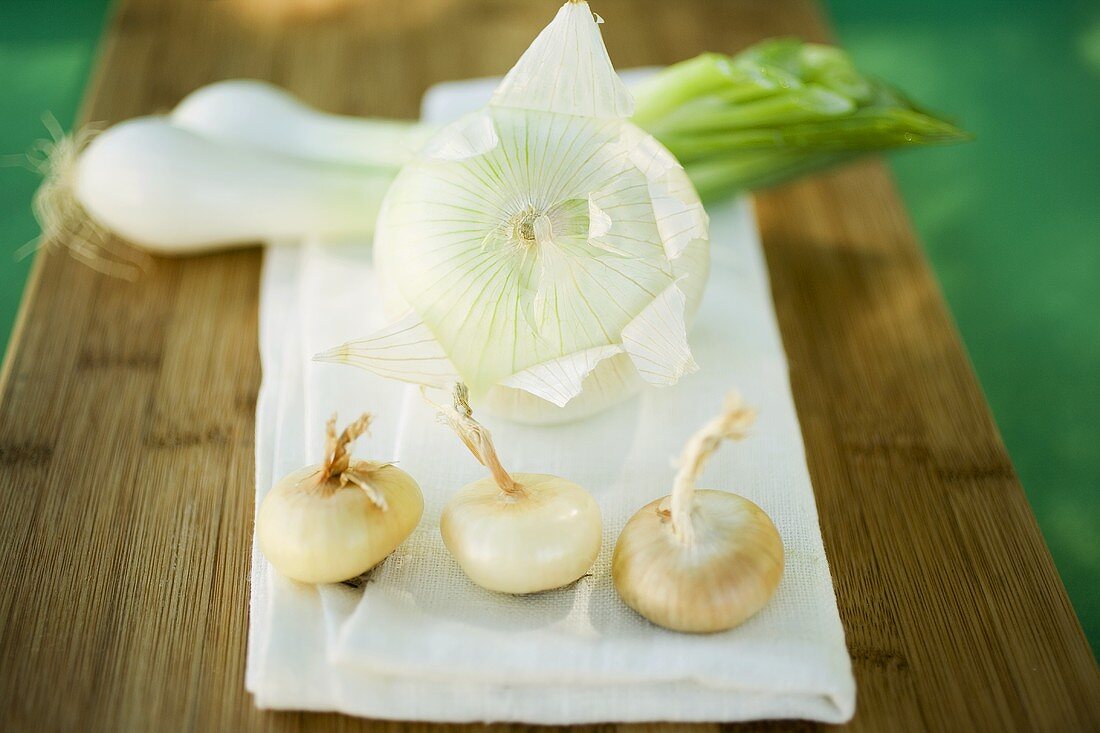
column 776, row 111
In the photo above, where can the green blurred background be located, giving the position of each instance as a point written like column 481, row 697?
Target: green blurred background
column 1011, row 221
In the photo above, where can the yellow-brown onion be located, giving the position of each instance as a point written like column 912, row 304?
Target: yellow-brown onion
column 700, row 560
column 333, row 522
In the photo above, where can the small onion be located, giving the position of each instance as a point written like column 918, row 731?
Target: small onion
column 516, row 533
column 700, row 560
column 337, row 520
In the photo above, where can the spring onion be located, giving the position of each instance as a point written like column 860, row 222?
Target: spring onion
column 775, row 111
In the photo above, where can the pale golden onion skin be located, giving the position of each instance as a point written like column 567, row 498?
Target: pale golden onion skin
column 613, row 380
column 547, row 538
column 727, row 575
column 326, row 539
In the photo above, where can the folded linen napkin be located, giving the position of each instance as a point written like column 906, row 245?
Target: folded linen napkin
column 420, row 641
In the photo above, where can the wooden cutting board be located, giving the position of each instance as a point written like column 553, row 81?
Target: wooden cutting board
column 126, row 409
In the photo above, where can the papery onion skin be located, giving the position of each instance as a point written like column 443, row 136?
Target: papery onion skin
column 611, row 382
column 543, row 538
column 331, row 533
column 723, row 577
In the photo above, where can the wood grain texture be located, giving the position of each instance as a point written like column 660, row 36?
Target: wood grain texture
column 126, row 412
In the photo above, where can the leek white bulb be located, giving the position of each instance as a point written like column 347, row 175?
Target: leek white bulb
column 335, row 521
column 700, row 560
column 516, row 533
column 173, row 191
column 543, row 250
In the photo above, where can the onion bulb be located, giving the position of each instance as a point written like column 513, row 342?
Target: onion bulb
column 700, row 560
column 543, row 250
column 516, row 533
column 337, row 520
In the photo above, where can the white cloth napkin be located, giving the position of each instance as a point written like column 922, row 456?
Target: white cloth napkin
column 420, row 641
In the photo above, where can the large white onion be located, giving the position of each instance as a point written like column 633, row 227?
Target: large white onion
column 544, row 250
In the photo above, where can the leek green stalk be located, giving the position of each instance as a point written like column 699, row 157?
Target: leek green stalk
column 776, row 111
